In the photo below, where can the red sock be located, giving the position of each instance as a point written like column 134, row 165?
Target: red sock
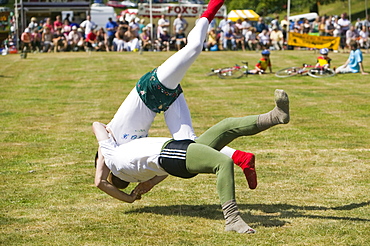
column 212, row 8
column 245, row 160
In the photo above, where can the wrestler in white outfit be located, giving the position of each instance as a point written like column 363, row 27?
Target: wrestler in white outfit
column 133, row 119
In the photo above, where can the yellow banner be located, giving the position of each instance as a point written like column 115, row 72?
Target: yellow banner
column 310, row 41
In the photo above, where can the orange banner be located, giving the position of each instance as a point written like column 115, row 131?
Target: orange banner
column 310, row 41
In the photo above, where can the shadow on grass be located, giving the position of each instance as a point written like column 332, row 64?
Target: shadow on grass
column 274, row 214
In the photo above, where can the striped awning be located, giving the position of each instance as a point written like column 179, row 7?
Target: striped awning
column 234, row 15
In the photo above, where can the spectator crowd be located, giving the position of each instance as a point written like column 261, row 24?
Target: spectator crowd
column 133, row 34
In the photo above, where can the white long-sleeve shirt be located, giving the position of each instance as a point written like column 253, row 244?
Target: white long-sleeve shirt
column 135, row 161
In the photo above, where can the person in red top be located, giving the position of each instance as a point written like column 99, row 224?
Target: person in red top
column 262, row 64
column 58, row 24
column 48, row 24
column 91, row 41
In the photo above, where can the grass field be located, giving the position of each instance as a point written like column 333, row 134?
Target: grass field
column 314, row 173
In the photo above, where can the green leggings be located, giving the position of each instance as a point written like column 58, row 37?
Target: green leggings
column 204, row 156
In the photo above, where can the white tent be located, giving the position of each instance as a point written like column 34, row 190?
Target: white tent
column 309, row 16
column 234, row 15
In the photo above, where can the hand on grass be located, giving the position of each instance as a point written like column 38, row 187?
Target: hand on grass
column 135, row 195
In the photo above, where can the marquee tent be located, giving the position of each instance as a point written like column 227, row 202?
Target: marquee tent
column 234, row 15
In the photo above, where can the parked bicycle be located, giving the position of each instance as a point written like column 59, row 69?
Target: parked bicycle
column 234, row 72
column 313, row 71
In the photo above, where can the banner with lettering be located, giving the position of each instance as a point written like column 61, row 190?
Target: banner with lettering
column 311, row 41
column 186, row 10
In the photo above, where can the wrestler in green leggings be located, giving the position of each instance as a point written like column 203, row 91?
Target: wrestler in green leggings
column 203, row 156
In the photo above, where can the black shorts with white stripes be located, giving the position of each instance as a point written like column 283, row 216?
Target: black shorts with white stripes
column 173, row 158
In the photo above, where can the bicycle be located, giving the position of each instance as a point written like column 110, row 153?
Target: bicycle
column 234, row 72
column 313, row 71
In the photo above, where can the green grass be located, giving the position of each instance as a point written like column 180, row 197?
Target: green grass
column 313, row 173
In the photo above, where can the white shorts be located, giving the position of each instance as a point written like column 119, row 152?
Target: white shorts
column 134, row 119
column 343, row 69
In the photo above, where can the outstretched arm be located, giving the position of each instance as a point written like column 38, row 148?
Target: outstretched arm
column 101, row 175
column 102, row 171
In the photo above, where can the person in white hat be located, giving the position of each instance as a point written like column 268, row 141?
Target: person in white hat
column 33, row 24
column 277, row 38
column 75, row 39
column 26, row 39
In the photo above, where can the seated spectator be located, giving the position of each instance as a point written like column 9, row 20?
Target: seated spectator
column 264, row 39
column 8, row 44
column 354, row 63
column 59, row 41
column 47, row 40
column 164, row 40
column 351, row 35
column 131, row 42
column 364, row 40
column 91, row 41
column 229, row 40
column 66, row 29
column 102, row 38
column 58, row 24
column 276, row 37
column 212, row 39
column 36, row 40
column 75, row 40
column 134, row 27
column 239, row 38
column 251, row 39
column 180, row 39
column 146, row 43
column 119, row 41
column 49, row 25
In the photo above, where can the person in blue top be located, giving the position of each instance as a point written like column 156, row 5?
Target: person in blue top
column 261, row 25
column 111, row 28
column 354, row 64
